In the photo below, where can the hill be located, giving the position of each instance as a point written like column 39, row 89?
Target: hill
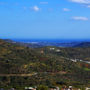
column 21, row 65
column 83, row 44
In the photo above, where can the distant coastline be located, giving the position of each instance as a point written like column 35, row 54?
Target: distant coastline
column 51, row 40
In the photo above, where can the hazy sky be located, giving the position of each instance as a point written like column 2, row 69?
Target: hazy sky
column 45, row 19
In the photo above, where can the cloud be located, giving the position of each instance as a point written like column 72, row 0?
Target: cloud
column 81, row 1
column 43, row 2
column 79, row 18
column 88, row 6
column 66, row 9
column 35, row 8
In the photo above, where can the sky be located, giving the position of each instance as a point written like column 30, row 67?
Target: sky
column 45, row 19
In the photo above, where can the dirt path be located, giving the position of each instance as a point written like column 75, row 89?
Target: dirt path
column 23, row 75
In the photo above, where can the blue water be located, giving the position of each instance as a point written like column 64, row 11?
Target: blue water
column 51, row 40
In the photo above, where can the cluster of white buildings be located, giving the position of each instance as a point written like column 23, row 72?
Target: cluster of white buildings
column 57, row 50
column 30, row 88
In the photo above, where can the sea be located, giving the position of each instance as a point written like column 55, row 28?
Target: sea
column 51, row 40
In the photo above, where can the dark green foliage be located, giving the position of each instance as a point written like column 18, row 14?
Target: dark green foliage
column 48, row 67
column 42, row 87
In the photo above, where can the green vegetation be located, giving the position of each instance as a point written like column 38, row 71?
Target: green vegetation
column 42, row 87
column 87, row 69
column 43, row 66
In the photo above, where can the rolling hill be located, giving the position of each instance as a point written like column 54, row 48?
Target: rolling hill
column 44, row 65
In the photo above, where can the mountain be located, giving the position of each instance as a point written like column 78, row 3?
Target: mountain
column 83, row 44
column 49, row 65
column 37, row 44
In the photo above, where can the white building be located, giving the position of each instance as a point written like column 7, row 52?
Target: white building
column 87, row 88
column 58, row 50
column 30, row 88
column 52, row 48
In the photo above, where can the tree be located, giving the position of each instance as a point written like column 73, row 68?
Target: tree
column 42, row 87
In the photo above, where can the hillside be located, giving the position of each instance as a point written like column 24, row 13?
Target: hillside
column 46, row 65
column 83, row 44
